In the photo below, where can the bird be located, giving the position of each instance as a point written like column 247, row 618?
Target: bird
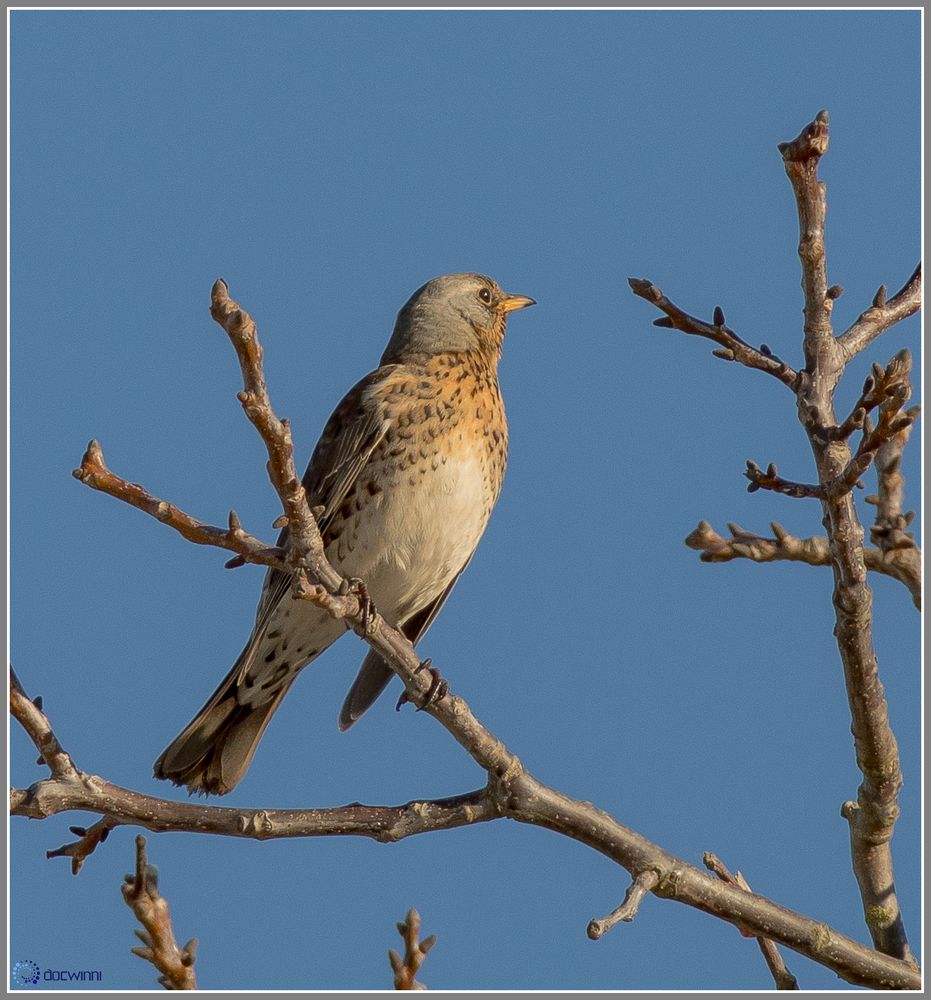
column 403, row 480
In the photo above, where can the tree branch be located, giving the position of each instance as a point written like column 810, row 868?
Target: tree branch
column 732, row 347
column 30, row 716
column 80, row 791
column 887, row 391
column 511, row 792
column 783, row 979
column 415, row 951
column 897, row 563
column 140, row 891
column 889, row 529
column 771, row 480
column 872, row 818
column 88, row 841
column 643, row 883
column 305, row 546
column 93, row 472
column 882, row 314
column 800, row 157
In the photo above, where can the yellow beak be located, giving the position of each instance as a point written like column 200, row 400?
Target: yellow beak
column 511, row 302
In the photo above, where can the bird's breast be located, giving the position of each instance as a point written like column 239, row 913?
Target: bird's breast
column 426, row 495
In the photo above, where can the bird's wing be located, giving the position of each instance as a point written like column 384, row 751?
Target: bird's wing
column 418, row 624
column 351, row 434
column 374, row 674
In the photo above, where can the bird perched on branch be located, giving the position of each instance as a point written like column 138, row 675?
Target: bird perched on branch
column 407, row 472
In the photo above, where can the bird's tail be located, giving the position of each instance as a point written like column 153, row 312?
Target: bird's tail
column 214, row 751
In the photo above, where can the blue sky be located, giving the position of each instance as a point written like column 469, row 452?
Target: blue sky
column 327, row 164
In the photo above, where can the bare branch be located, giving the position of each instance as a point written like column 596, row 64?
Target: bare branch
column 93, row 472
column 890, row 424
column 88, row 841
column 881, row 386
column 815, row 551
column 415, row 951
column 800, row 158
column 642, row 884
column 882, row 314
column 305, row 545
column 771, row 480
column 77, row 790
column 510, row 792
column 873, row 818
column 140, row 890
column 889, row 529
column 783, row 979
column 732, row 347
column 30, row 716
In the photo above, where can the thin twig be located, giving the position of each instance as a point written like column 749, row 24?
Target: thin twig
column 879, row 385
column 890, row 424
column 882, row 314
column 30, row 716
column 771, row 480
column 305, row 545
column 140, row 890
column 88, row 841
column 93, row 472
column 642, row 884
column 732, row 347
column 415, row 951
column 800, row 158
column 889, row 530
column 783, row 979
column 814, row 551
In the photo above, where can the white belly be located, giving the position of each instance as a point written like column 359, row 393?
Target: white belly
column 414, row 538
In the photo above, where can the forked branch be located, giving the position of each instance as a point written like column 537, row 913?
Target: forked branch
column 882, row 314
column 510, row 792
column 732, row 347
column 140, row 891
column 872, row 817
column 783, row 979
column 406, row 967
column 899, row 563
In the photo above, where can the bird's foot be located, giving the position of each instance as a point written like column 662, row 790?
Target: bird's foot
column 438, row 688
column 357, row 587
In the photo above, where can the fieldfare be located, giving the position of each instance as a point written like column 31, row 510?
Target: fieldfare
column 407, row 471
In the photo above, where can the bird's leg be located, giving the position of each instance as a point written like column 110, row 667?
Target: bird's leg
column 356, row 586
column 438, row 688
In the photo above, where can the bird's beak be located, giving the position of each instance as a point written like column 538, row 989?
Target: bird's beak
column 511, row 302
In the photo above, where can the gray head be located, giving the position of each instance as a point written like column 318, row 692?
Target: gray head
column 456, row 312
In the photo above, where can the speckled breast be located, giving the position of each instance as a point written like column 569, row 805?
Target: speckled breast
column 421, row 504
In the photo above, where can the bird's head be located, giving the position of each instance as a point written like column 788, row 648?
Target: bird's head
column 456, row 312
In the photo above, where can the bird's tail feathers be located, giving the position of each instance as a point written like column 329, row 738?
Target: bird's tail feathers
column 212, row 754
column 372, row 679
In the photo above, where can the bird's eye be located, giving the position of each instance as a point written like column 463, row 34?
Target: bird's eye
column 485, row 295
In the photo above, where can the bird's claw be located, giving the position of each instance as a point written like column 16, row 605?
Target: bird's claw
column 357, row 587
column 438, row 688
